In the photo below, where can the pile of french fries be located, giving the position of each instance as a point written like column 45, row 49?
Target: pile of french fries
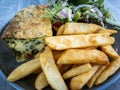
column 79, row 52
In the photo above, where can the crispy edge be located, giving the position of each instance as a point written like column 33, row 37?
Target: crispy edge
column 109, row 50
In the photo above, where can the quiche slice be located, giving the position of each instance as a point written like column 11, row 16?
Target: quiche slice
column 26, row 31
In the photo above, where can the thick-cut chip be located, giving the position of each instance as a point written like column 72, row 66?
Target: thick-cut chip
column 60, row 30
column 80, row 56
column 51, row 71
column 56, row 54
column 110, row 70
column 77, row 71
column 79, row 81
column 80, row 28
column 95, row 76
column 41, row 81
column 78, row 41
column 103, row 30
column 109, row 50
column 24, row 70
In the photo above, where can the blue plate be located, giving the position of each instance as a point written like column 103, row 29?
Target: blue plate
column 7, row 58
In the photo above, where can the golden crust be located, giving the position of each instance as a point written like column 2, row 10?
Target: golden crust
column 28, row 24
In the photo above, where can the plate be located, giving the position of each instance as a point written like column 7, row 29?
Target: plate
column 8, row 63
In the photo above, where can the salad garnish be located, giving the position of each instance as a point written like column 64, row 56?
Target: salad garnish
column 88, row 11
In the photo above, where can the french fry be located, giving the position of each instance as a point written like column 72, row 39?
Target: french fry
column 51, row 71
column 103, row 30
column 60, row 30
column 80, row 28
column 109, row 50
column 56, row 54
column 79, row 81
column 95, row 76
column 80, row 56
column 41, row 81
column 110, row 70
column 24, row 70
column 77, row 71
column 78, row 41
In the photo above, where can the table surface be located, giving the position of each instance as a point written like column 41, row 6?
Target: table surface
column 8, row 8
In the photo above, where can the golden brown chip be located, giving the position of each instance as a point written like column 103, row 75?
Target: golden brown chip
column 79, row 81
column 95, row 76
column 109, row 50
column 80, row 56
column 77, row 71
column 78, row 41
column 103, row 30
column 80, row 28
column 110, row 70
column 51, row 71
column 24, row 70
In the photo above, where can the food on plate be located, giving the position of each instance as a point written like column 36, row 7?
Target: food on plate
column 28, row 24
column 60, row 30
column 24, row 69
column 41, row 81
column 78, row 41
column 51, row 71
column 27, row 30
column 77, row 51
column 77, row 71
column 81, row 56
column 103, row 30
column 109, row 50
column 79, row 81
column 110, row 70
column 91, row 82
column 80, row 28
column 25, row 49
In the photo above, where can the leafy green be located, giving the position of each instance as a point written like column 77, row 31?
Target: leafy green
column 89, row 11
column 54, row 9
column 77, row 16
column 69, row 14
